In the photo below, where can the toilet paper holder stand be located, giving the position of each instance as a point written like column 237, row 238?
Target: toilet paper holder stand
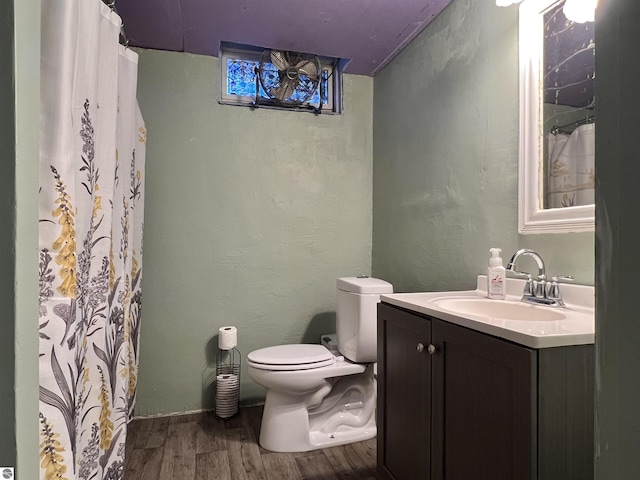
column 228, row 366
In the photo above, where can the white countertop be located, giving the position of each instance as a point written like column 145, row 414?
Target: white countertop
column 577, row 328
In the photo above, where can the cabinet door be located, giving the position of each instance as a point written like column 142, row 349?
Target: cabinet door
column 483, row 406
column 404, row 395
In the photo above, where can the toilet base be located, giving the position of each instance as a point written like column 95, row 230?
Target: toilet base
column 325, row 440
column 345, row 414
column 277, row 439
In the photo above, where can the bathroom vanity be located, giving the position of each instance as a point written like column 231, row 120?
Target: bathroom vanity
column 464, row 396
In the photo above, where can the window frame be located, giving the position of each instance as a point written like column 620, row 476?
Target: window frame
column 248, row 53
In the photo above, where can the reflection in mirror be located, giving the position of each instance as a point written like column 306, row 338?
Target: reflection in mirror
column 568, row 109
column 557, row 118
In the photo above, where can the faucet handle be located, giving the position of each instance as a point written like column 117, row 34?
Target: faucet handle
column 554, row 288
column 516, row 274
column 529, row 287
column 562, row 279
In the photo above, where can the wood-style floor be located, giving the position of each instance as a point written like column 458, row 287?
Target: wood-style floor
column 202, row 447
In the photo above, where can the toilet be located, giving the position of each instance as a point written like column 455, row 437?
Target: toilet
column 324, row 395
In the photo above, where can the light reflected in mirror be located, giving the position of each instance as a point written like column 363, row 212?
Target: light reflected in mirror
column 557, row 118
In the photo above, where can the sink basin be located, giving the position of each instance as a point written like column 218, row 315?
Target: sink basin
column 527, row 324
column 499, row 309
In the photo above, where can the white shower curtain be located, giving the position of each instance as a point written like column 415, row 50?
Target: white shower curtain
column 91, row 215
column 572, row 168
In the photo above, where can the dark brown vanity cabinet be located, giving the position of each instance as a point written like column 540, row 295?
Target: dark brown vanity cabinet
column 456, row 404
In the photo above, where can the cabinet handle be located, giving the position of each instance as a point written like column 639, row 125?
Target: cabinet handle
column 431, row 348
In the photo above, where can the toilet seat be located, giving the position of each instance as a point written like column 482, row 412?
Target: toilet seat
column 291, row 357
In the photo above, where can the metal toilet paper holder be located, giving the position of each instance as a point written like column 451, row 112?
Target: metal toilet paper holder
column 228, row 363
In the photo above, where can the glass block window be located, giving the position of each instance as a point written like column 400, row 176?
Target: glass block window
column 241, row 77
column 238, row 81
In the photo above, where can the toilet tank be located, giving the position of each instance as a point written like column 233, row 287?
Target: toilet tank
column 356, row 317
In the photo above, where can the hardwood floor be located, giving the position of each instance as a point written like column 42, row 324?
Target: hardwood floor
column 202, row 447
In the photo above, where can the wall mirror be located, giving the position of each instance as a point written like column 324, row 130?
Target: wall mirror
column 556, row 171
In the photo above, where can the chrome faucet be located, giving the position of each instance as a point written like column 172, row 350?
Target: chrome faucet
column 537, row 291
column 530, row 253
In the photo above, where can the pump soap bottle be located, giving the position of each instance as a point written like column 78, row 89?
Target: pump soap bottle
column 496, row 285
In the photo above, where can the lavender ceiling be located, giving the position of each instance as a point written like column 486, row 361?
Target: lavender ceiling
column 368, row 32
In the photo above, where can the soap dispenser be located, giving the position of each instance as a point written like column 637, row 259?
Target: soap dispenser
column 496, row 285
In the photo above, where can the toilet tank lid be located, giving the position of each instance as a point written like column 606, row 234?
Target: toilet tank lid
column 363, row 284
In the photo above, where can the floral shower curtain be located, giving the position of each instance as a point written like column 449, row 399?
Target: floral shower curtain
column 91, row 217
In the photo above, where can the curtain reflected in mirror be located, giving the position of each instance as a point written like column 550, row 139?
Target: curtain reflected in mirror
column 568, row 73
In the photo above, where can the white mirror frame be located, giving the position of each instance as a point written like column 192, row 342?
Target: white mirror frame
column 532, row 216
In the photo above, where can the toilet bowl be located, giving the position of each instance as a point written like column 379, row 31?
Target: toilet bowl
column 309, row 405
column 321, row 396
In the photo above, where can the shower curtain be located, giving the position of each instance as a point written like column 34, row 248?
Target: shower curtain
column 90, row 238
column 572, row 168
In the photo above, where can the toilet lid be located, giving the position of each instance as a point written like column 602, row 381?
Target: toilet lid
column 291, row 357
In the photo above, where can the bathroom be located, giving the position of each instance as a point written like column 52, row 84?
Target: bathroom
column 412, row 188
column 253, row 226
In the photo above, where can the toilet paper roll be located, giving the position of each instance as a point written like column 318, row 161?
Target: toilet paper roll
column 227, row 338
column 228, row 382
column 227, row 395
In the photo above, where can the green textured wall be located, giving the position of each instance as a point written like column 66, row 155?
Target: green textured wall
column 27, row 118
column 446, row 157
column 7, row 218
column 251, row 215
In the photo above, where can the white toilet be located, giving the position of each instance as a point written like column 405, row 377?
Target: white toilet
column 321, row 396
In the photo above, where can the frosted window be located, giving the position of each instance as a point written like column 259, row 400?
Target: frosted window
column 241, row 80
column 241, row 77
column 238, row 80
